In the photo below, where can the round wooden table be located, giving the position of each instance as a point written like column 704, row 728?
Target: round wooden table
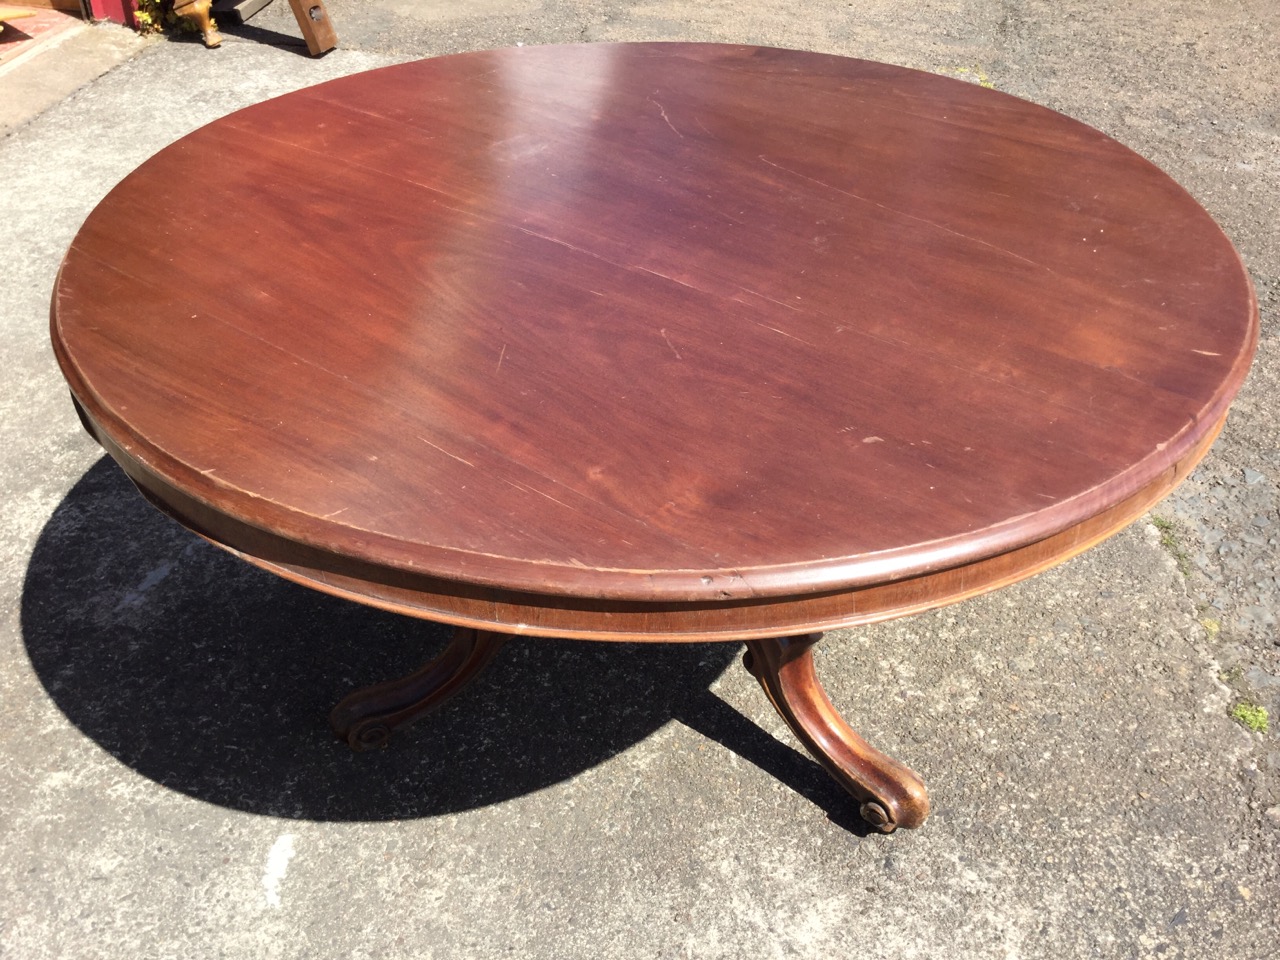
column 653, row 342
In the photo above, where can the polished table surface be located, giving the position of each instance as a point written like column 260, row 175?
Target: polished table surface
column 652, row 341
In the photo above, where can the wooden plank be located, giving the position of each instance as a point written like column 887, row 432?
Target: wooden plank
column 236, row 11
column 317, row 28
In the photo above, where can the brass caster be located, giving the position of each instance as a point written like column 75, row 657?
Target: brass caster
column 877, row 816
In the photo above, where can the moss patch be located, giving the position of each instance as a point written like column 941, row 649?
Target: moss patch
column 1169, row 540
column 1252, row 716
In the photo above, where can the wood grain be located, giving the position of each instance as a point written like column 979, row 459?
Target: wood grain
column 663, row 340
column 317, row 28
column 889, row 793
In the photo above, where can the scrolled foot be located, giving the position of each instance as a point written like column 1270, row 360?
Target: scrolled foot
column 368, row 735
column 366, row 718
column 889, row 793
column 198, row 10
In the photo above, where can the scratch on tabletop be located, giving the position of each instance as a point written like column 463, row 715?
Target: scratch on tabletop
column 903, row 213
column 789, row 336
column 596, row 256
column 663, row 331
column 664, row 277
column 446, row 452
column 665, row 119
column 1206, row 353
column 502, row 356
column 529, row 489
column 756, row 293
column 563, row 243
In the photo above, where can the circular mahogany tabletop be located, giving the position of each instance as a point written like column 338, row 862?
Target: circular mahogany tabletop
column 671, row 340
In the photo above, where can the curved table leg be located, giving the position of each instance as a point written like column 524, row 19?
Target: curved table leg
column 366, row 718
column 891, row 795
column 198, row 10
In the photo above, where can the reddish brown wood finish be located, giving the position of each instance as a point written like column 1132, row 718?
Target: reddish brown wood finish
column 366, row 718
column 590, row 618
column 656, row 341
column 890, row 794
column 657, row 322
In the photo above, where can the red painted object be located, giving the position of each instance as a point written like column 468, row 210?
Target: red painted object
column 117, row 11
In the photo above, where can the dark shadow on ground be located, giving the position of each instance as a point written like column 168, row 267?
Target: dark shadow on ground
column 247, row 34
column 716, row 720
column 214, row 678
column 266, row 37
column 12, row 34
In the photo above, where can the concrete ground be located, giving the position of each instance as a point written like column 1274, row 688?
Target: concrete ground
column 168, row 787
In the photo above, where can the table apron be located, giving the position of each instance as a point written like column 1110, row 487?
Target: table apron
column 534, row 614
